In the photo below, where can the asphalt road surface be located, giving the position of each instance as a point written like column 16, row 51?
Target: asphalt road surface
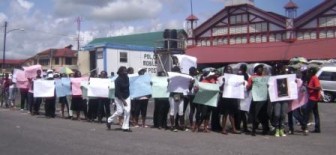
column 23, row 134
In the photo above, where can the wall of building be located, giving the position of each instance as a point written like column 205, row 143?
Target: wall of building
column 83, row 62
column 135, row 59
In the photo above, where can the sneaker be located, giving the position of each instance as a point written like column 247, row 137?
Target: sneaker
column 305, row 132
column 282, row 133
column 277, row 133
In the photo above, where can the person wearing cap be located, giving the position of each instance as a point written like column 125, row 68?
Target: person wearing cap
column 49, row 105
column 258, row 109
column 314, row 93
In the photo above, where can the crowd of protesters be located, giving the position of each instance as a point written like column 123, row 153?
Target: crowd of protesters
column 201, row 118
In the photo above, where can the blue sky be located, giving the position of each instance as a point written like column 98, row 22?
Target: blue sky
column 51, row 23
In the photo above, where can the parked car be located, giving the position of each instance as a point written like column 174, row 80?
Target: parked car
column 327, row 76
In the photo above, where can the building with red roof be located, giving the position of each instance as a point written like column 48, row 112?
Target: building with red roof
column 242, row 32
column 54, row 58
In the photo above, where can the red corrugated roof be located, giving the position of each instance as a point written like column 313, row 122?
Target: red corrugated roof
column 13, row 61
column 63, row 52
column 191, row 18
column 291, row 5
column 277, row 51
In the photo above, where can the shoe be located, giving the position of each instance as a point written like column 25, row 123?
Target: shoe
column 127, row 130
column 277, row 133
column 282, row 133
column 305, row 132
column 253, row 133
column 291, row 132
column 108, row 125
column 316, row 131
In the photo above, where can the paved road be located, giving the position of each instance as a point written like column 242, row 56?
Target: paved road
column 22, row 134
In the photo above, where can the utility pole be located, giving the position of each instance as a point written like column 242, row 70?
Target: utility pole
column 4, row 48
column 78, row 21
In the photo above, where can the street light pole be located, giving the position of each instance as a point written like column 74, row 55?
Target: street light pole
column 4, row 48
column 4, row 45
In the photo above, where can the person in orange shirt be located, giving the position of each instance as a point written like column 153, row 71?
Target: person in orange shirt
column 314, row 88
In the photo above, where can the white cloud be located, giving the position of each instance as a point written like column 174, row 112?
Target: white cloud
column 25, row 4
column 3, row 17
column 109, row 10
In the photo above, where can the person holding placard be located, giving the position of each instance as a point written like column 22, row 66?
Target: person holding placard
column 36, row 101
column 203, row 112
column 258, row 109
column 140, row 105
column 280, row 107
column 122, row 100
column 49, row 105
column 63, row 100
column 241, row 116
column 188, row 99
column 104, row 103
column 93, row 104
column 161, row 103
column 176, row 105
column 77, row 100
column 228, row 106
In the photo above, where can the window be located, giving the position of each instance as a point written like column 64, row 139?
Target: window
column 68, row 61
column 328, row 76
column 56, row 61
column 99, row 54
column 123, row 57
column 44, row 62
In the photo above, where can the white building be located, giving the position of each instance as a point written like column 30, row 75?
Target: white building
column 109, row 54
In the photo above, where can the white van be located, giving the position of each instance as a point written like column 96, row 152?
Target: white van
column 327, row 76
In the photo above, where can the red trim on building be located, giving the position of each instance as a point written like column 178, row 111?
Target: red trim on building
column 274, row 51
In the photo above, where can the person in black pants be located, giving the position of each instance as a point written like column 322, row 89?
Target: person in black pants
column 37, row 100
column 49, row 105
column 104, row 103
column 241, row 116
column 258, row 109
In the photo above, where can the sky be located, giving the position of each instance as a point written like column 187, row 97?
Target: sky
column 52, row 23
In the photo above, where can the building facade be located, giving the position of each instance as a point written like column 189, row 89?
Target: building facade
column 54, row 58
column 136, row 51
column 241, row 32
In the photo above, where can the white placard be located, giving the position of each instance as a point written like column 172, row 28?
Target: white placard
column 186, row 62
column 44, row 88
column 282, row 88
column 233, row 86
column 178, row 83
column 98, row 87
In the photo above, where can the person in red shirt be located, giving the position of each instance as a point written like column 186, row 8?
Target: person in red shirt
column 314, row 88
